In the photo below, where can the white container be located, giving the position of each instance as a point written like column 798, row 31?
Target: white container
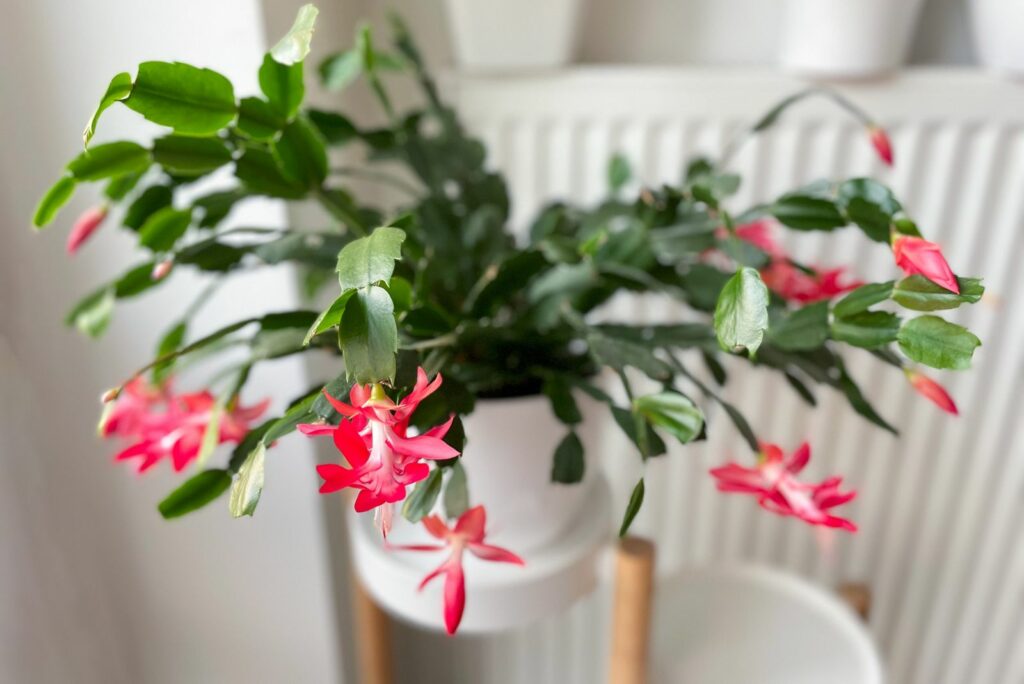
column 514, row 34
column 558, row 530
column 999, row 34
column 742, row 624
column 510, row 445
column 847, row 38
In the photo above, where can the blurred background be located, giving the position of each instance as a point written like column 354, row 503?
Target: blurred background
column 95, row 587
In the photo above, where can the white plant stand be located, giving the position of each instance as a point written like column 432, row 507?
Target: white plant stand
column 738, row 624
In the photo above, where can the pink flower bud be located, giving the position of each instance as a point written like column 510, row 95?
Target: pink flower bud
column 161, row 270
column 880, row 141
column 110, row 395
column 932, row 391
column 918, row 256
column 84, row 226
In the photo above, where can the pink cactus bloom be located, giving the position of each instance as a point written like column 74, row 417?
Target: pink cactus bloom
column 795, row 285
column 468, row 534
column 84, row 226
column 759, row 234
column 383, row 459
column 785, row 279
column 918, row 256
column 880, row 141
column 133, row 407
column 162, row 425
column 778, row 490
column 932, row 391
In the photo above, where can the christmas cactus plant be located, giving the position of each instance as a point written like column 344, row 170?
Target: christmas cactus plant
column 438, row 287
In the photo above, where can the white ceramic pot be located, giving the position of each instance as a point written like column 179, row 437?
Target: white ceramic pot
column 559, row 530
column 511, row 34
column 510, row 445
column 999, row 34
column 847, row 38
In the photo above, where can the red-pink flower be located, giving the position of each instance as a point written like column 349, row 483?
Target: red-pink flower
column 383, row 459
column 163, row 425
column 84, row 226
column 918, row 256
column 135, row 403
column 759, row 234
column 932, row 391
column 796, row 285
column 786, row 280
column 773, row 480
column 880, row 141
column 468, row 534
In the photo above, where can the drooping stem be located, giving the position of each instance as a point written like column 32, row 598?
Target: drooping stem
column 442, row 341
column 773, row 114
column 341, row 212
column 381, row 177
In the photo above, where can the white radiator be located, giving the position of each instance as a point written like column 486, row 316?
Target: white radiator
column 941, row 508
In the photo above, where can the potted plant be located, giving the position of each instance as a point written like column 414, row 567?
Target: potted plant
column 440, row 315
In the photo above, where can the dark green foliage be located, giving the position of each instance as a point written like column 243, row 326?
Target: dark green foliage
column 439, row 281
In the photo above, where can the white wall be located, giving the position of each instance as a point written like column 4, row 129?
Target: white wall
column 94, row 586
column 713, row 32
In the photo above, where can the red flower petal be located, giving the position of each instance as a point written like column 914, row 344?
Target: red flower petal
column 441, row 430
column 454, row 595
column 413, row 473
column 340, row 406
column 359, row 394
column 443, row 567
column 735, row 475
column 494, row 553
column 368, row 500
column 416, row 547
column 800, row 458
column 316, row 429
column 351, row 445
column 335, row 477
column 420, row 391
column 472, row 524
column 435, row 526
column 932, row 391
column 423, row 446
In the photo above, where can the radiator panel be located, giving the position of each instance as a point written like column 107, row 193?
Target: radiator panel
column 939, row 508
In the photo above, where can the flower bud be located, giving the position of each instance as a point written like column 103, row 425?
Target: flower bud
column 932, row 391
column 104, row 421
column 880, row 141
column 161, row 269
column 84, row 226
column 918, row 256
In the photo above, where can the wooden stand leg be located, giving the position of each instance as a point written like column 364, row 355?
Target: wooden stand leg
column 373, row 639
column 858, row 596
column 631, row 618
